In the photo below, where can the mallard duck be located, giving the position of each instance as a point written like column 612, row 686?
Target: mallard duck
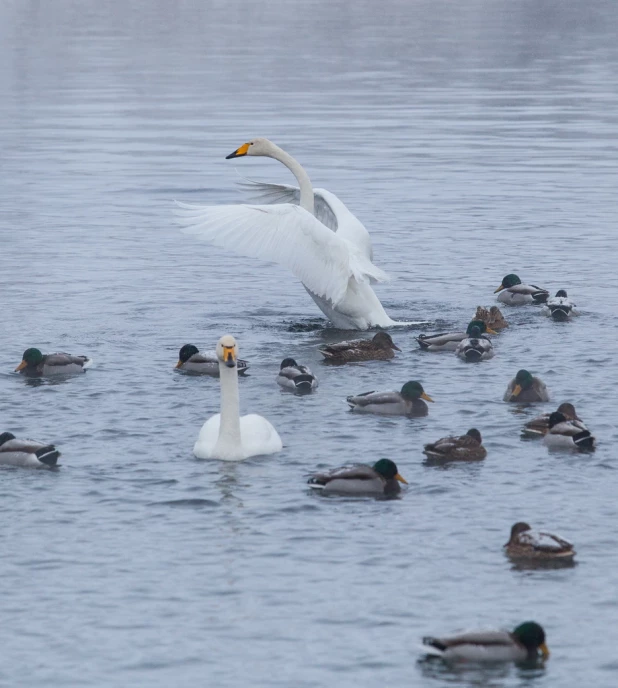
column 524, row 387
column 36, row 364
column 560, row 307
column 514, row 293
column 380, row 348
column 540, row 425
column 524, row 543
column 296, row 377
column 407, row 402
column 567, row 434
column 467, row 447
column 448, row 341
column 26, row 453
column 190, row 360
column 380, row 479
column 492, row 317
column 475, row 347
column 523, row 643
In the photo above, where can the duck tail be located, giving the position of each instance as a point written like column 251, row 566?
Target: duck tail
column 560, row 313
column 540, row 296
column 434, row 642
column 47, row 455
column 584, row 440
column 473, row 354
column 303, row 383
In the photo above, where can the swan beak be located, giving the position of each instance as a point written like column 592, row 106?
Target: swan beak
column 426, row 397
column 239, row 152
column 178, row 365
column 516, row 390
column 544, row 650
column 490, row 331
column 401, row 479
column 229, row 357
column 21, row 366
column 500, row 288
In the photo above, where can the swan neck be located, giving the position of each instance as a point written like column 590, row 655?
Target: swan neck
column 229, row 429
column 306, row 190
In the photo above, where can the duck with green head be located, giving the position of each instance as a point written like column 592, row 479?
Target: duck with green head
column 407, row 402
column 382, row 478
column 526, row 388
column 526, row 642
column 448, row 341
column 36, row 364
column 514, row 293
column 475, row 347
column 563, row 433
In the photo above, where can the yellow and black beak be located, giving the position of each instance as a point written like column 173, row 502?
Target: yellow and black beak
column 401, row 479
column 500, row 288
column 178, row 365
column 229, row 357
column 544, row 650
column 488, row 330
column 239, row 152
column 21, row 366
column 516, row 390
column 426, row 397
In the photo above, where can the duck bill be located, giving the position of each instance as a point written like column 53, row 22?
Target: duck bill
column 500, row 288
column 239, row 152
column 401, row 479
column 178, row 365
column 490, row 331
column 228, row 356
column 516, row 390
column 21, row 366
column 544, row 651
column 426, row 397
column 396, row 347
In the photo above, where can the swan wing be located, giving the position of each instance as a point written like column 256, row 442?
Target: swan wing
column 259, row 436
column 288, row 235
column 268, row 194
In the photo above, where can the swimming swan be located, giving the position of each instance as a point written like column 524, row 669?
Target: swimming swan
column 227, row 436
column 311, row 233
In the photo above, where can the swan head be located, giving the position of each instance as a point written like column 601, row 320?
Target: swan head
column 258, row 146
column 227, row 350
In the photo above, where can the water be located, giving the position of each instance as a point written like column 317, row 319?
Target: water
column 473, row 139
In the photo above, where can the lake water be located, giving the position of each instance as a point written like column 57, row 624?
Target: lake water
column 473, row 139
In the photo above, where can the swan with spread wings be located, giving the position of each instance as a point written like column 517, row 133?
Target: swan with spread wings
column 309, row 231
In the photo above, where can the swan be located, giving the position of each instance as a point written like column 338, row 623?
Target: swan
column 227, row 436
column 311, row 232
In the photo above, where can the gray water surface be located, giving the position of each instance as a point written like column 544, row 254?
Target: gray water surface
column 473, row 139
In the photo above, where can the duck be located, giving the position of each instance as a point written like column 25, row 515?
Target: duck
column 380, row 348
column 36, row 364
column 190, row 360
column 524, row 543
column 567, row 434
column 296, row 377
column 514, row 293
column 466, row 447
column 492, row 317
column 408, row 402
column 26, row 453
column 523, row 643
column 560, row 307
column 308, row 231
column 475, row 347
column 524, row 387
column 382, row 478
column 448, row 341
column 540, row 425
column 227, row 436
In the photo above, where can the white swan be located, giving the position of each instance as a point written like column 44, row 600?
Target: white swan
column 227, row 436
column 312, row 233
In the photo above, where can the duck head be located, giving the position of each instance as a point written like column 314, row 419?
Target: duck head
column 185, row 354
column 508, row 281
column 31, row 357
column 388, row 470
column 414, row 390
